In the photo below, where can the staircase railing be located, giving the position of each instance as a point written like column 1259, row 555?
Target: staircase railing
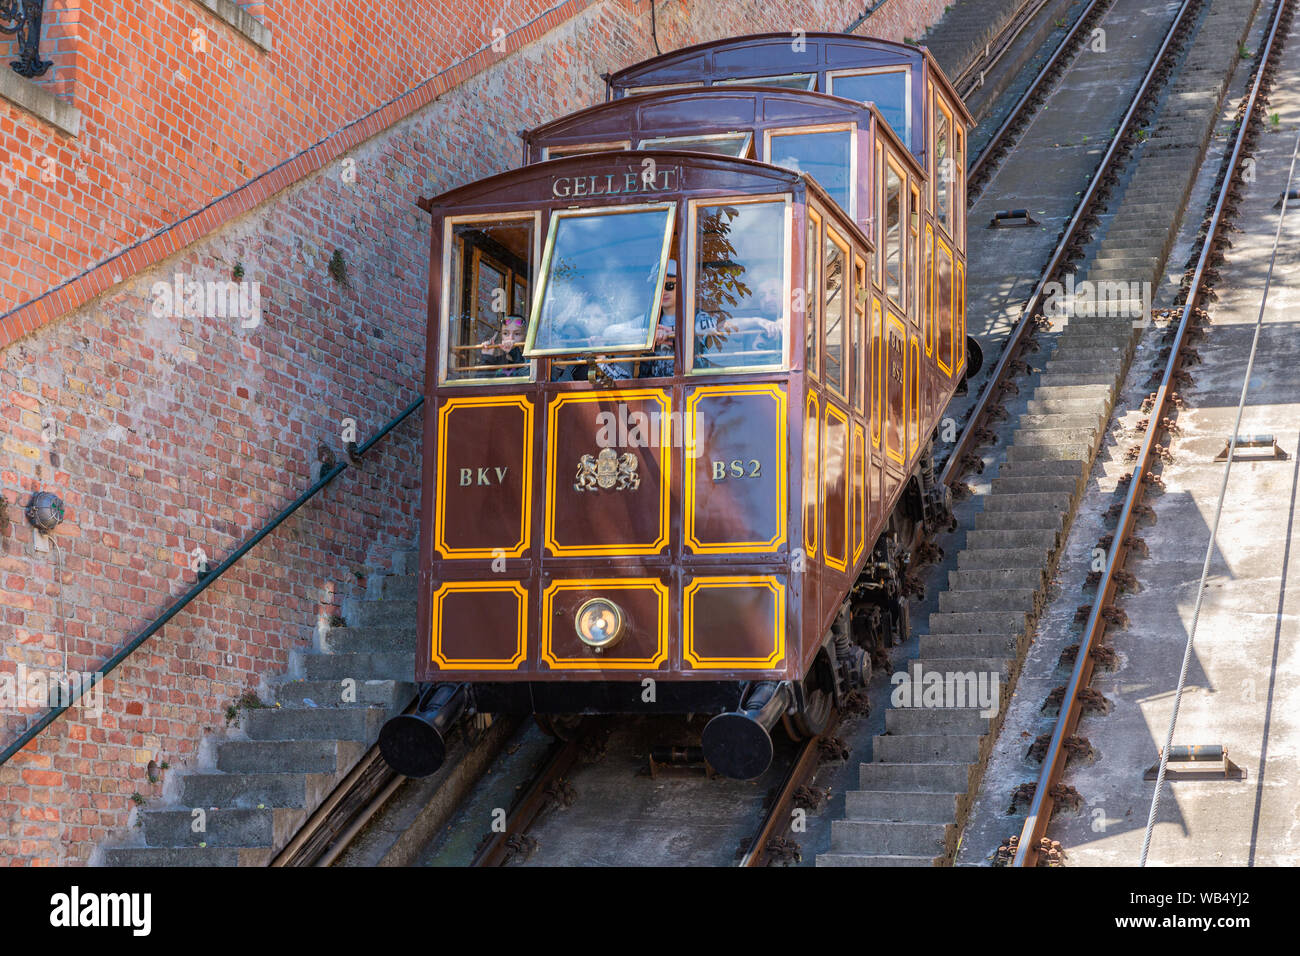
column 205, row 580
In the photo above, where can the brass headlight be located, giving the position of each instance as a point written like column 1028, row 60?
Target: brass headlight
column 599, row 623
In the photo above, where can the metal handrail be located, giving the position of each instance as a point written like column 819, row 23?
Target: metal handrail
column 203, row 583
column 25, row 15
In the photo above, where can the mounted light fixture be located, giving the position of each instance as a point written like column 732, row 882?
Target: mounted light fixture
column 45, row 511
column 599, row 623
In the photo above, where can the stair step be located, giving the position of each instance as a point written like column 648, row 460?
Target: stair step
column 156, row 856
column 929, row 720
column 246, row 790
column 880, row 838
column 269, row 827
column 987, row 559
column 330, row 693
column 1057, row 467
column 1077, row 451
column 386, row 614
column 1008, row 599
column 928, row 748
column 1020, row 520
column 381, row 639
column 968, row 645
column 314, row 723
column 1065, row 485
column 867, row 859
column 1003, row 540
column 360, row 666
column 1032, row 501
column 915, row 777
column 287, row 756
column 997, row 579
column 400, row 587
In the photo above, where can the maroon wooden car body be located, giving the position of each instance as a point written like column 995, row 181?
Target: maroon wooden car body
column 731, row 539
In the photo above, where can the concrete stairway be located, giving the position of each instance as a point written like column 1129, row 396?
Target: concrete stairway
column 926, row 768
column 294, row 752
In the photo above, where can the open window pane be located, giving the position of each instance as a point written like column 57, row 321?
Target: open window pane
column 602, row 281
column 739, row 295
column 725, row 144
column 824, row 156
column 811, row 292
column 792, row 81
column 557, row 152
column 893, row 234
column 489, row 282
column 944, row 172
column 859, row 331
column 889, row 91
column 833, row 313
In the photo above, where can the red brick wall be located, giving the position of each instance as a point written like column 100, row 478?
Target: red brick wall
column 164, row 434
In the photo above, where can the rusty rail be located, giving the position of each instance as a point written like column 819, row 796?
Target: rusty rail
column 777, row 818
column 979, row 166
column 532, row 802
column 1040, row 810
column 972, row 77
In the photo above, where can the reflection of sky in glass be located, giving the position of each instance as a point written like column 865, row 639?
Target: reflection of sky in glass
column 887, row 90
column 604, row 271
column 824, row 156
column 752, row 273
column 723, row 145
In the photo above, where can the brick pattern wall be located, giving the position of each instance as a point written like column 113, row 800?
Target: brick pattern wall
column 165, row 433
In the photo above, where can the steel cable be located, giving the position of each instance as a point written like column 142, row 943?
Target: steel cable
column 1218, row 513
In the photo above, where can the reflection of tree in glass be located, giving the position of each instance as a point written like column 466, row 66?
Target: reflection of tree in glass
column 720, row 284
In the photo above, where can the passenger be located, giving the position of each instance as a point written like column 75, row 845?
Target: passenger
column 665, row 336
column 509, row 351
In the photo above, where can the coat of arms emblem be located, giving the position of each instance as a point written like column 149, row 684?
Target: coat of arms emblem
column 607, row 469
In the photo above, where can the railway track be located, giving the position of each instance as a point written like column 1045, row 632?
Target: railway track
column 926, row 767
column 1031, row 847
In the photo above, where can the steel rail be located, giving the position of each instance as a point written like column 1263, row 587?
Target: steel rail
column 777, row 817
column 971, row 78
column 980, row 411
column 978, row 164
column 533, row 801
column 202, row 585
column 1040, row 809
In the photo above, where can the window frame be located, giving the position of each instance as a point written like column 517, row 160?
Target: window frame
column 675, row 142
column 787, row 270
column 905, row 69
column 534, row 216
column 829, row 235
column 544, row 267
column 913, row 268
column 941, row 249
column 662, row 87
column 940, row 107
column 767, row 80
column 861, row 345
column 851, row 128
column 891, row 164
column 812, row 297
column 578, row 149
